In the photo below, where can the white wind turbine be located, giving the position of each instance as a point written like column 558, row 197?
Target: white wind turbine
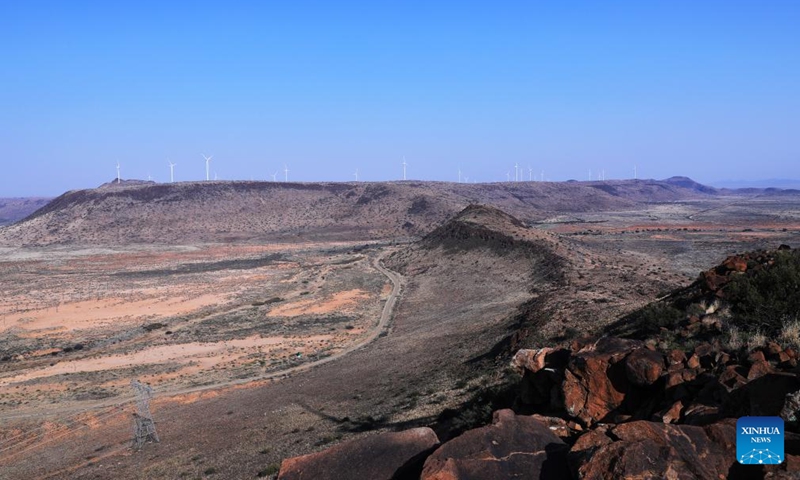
column 459, row 175
column 634, row 171
column 530, row 173
column 285, row 173
column 508, row 176
column 516, row 172
column 208, row 160
column 404, row 168
column 171, row 171
column 117, row 172
column 356, row 174
column 275, row 175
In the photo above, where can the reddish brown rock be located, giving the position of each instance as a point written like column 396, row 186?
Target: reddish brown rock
column 673, row 413
column 759, row 369
column 735, row 264
column 693, row 362
column 756, row 356
column 773, row 349
column 513, row 446
column 732, row 377
column 676, row 357
column 643, row 367
column 375, row 457
column 656, row 450
column 595, row 382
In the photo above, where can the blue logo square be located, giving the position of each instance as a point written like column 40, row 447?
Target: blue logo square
column 759, row 440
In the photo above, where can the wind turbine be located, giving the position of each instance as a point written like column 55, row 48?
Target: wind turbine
column 404, row 168
column 117, row 172
column 508, row 176
column 543, row 175
column 634, row 171
column 459, row 175
column 171, row 171
column 208, row 160
column 215, row 176
column 285, row 173
column 356, row 174
column 274, row 175
column 516, row 172
column 530, row 173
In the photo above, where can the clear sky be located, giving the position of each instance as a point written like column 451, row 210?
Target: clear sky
column 706, row 89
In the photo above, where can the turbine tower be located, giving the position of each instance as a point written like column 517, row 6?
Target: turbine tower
column 208, row 160
column 285, row 173
column 404, row 168
column 530, row 173
column 275, row 175
column 117, row 172
column 459, row 175
column 356, row 174
column 634, row 171
column 508, row 176
column 543, row 175
column 516, row 172
column 171, row 171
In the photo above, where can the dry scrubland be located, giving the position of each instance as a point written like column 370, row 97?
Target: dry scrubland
column 197, row 319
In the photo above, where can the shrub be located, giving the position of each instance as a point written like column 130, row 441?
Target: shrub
column 763, row 299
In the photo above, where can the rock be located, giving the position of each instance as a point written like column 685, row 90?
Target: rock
column 735, row 264
column 673, row 413
column 376, row 457
column 764, row 396
column 756, row 356
column 655, row 450
column 595, row 381
column 773, row 349
column 791, row 407
column 759, row 369
column 732, row 377
column 559, row 426
column 676, row 357
column 643, row 367
column 513, row 446
column 693, row 362
column 700, row 414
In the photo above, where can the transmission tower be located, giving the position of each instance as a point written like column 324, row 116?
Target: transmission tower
column 144, row 428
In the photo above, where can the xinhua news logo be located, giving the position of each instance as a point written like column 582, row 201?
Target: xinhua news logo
column 759, row 440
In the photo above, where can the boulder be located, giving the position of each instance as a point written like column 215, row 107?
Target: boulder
column 643, row 367
column 654, row 450
column 595, row 381
column 375, row 457
column 513, row 446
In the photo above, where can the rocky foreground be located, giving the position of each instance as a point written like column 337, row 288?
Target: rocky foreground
column 662, row 403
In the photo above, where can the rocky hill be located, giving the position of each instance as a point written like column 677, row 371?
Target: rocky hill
column 142, row 212
column 15, row 209
column 662, row 405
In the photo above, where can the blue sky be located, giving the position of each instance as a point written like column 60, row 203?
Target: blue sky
column 706, row 89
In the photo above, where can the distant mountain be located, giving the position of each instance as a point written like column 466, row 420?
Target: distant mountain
column 769, row 183
column 15, row 209
column 191, row 212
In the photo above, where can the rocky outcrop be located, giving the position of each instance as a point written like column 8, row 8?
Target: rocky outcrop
column 383, row 456
column 613, row 380
column 512, row 446
column 644, row 449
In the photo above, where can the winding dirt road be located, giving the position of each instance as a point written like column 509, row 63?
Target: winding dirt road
column 383, row 323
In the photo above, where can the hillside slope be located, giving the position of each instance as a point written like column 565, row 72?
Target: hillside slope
column 243, row 211
column 15, row 209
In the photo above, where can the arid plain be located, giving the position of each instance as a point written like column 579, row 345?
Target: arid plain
column 261, row 327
